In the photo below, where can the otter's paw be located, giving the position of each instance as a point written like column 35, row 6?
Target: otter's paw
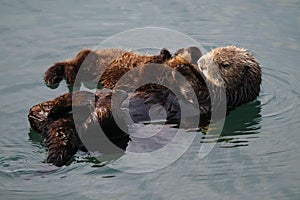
column 62, row 141
column 54, row 75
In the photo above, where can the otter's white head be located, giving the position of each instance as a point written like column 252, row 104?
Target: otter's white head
column 235, row 69
column 210, row 70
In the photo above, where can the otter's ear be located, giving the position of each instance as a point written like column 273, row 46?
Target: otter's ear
column 165, row 54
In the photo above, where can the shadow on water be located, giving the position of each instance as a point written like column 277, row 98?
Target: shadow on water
column 80, row 157
column 241, row 125
column 34, row 137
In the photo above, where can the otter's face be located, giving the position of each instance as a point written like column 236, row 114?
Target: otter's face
column 234, row 69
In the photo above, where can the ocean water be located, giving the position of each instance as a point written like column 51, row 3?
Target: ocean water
column 256, row 157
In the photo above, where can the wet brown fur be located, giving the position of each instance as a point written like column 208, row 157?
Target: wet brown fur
column 54, row 121
column 127, row 62
column 97, row 65
column 239, row 70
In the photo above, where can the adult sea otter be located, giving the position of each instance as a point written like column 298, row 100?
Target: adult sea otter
column 230, row 68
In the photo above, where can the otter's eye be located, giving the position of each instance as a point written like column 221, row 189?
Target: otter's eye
column 225, row 65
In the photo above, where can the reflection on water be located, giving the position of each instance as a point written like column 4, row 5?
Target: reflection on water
column 257, row 155
column 241, row 125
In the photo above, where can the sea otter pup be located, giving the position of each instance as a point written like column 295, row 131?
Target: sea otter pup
column 93, row 63
column 231, row 68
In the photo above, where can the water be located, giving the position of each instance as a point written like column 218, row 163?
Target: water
column 257, row 156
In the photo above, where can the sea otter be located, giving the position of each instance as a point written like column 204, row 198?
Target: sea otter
column 231, row 68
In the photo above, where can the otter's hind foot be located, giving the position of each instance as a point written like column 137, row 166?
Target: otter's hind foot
column 62, row 141
column 67, row 69
column 54, row 75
